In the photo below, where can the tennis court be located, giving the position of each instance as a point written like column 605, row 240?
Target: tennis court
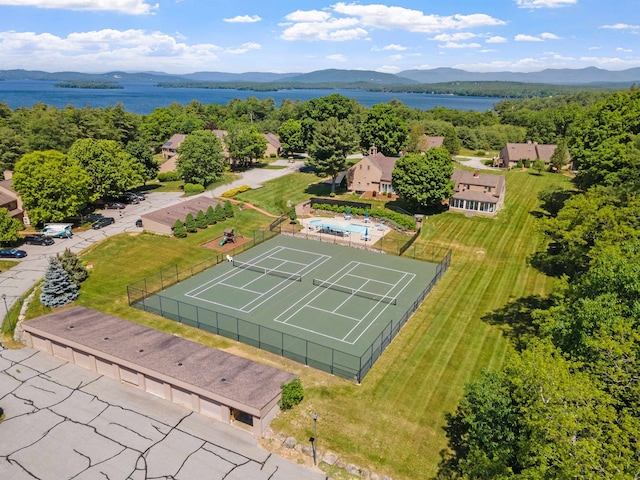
column 324, row 305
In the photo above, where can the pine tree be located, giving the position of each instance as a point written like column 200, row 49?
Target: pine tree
column 178, row 229
column 73, row 266
column 58, row 289
column 219, row 213
column 211, row 216
column 190, row 224
column 228, row 209
column 201, row 220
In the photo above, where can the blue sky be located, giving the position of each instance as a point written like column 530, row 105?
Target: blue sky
column 184, row 36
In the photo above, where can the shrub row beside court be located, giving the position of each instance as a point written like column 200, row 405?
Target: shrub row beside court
column 202, row 220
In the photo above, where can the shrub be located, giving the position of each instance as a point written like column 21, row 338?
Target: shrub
column 234, row 191
column 58, row 289
column 178, row 230
column 228, row 209
column 272, row 155
column 168, row 177
column 73, row 266
column 190, row 224
column 211, row 216
column 201, row 220
column 519, row 163
column 219, row 213
column 193, row 188
column 402, row 222
column 292, row 394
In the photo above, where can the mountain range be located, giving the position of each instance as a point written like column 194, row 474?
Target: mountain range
column 566, row 76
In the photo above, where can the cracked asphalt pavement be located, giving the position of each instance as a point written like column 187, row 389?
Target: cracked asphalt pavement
column 65, row 422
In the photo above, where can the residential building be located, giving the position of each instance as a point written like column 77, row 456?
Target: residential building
column 427, row 143
column 372, row 173
column 512, row 153
column 170, row 148
column 10, row 200
column 477, row 193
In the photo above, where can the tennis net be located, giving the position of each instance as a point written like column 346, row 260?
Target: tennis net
column 269, row 271
column 354, row 291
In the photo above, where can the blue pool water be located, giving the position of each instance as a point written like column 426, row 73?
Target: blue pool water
column 352, row 227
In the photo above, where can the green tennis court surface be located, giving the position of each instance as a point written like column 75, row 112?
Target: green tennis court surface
column 328, row 306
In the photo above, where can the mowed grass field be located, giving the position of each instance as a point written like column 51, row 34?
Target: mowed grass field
column 392, row 422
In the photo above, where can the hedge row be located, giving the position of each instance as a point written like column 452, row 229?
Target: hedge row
column 234, row 191
column 168, row 177
column 203, row 219
column 403, row 222
column 193, row 189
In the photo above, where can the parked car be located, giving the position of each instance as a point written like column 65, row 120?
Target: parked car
column 38, row 240
column 131, row 199
column 12, row 253
column 140, row 196
column 139, row 223
column 93, row 217
column 114, row 206
column 57, row 230
column 103, row 222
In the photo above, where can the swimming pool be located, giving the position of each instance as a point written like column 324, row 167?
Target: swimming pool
column 352, row 227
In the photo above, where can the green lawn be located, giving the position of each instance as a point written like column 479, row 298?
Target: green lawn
column 392, row 422
column 295, row 188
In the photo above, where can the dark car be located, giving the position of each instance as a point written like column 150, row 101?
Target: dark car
column 93, row 217
column 139, row 223
column 12, row 253
column 103, row 222
column 114, row 206
column 38, row 240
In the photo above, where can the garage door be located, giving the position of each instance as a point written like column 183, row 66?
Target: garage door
column 61, row 351
column 128, row 376
column 104, row 368
column 82, row 359
column 210, row 408
column 154, row 386
column 181, row 397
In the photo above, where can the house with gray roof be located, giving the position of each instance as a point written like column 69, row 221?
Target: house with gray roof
column 10, row 200
column 170, row 147
column 477, row 192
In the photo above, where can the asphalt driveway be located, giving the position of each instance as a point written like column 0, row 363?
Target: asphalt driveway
column 64, row 422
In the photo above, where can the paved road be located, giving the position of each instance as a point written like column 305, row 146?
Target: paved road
column 64, row 422
column 474, row 162
column 18, row 280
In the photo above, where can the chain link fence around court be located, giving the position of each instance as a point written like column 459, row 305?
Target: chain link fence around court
column 145, row 295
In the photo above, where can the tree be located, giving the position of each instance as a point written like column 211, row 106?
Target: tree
column 190, row 224
column 111, row 168
column 424, row 180
column 228, row 209
column 210, row 215
column 538, row 165
column 219, row 213
column 57, row 288
column 290, row 134
column 245, row 144
column 73, row 265
column 178, row 230
column 451, row 141
column 200, row 159
column 201, row 220
column 383, row 129
column 140, row 151
column 292, row 394
column 560, row 156
column 332, row 142
column 52, row 186
column 9, row 227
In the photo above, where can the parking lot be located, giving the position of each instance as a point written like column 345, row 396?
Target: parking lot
column 63, row 422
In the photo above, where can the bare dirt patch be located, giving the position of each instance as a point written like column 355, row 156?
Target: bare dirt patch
column 227, row 247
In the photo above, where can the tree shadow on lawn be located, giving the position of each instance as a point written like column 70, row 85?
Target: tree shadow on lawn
column 516, row 318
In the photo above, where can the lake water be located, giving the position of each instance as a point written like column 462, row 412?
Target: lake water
column 142, row 98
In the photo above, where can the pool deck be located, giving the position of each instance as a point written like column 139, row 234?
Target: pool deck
column 376, row 230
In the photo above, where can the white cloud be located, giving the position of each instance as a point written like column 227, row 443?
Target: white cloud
column 594, row 48
column 327, row 29
column 549, row 36
column 313, row 25
column 496, row 39
column 454, row 37
column 459, row 45
column 527, row 38
column 129, row 50
column 563, row 58
column 244, row 48
column 338, row 57
column 391, row 18
column 388, row 69
column 241, row 19
column 131, row 7
column 625, row 50
column 394, row 47
column 622, row 26
column 545, row 3
column 397, row 56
